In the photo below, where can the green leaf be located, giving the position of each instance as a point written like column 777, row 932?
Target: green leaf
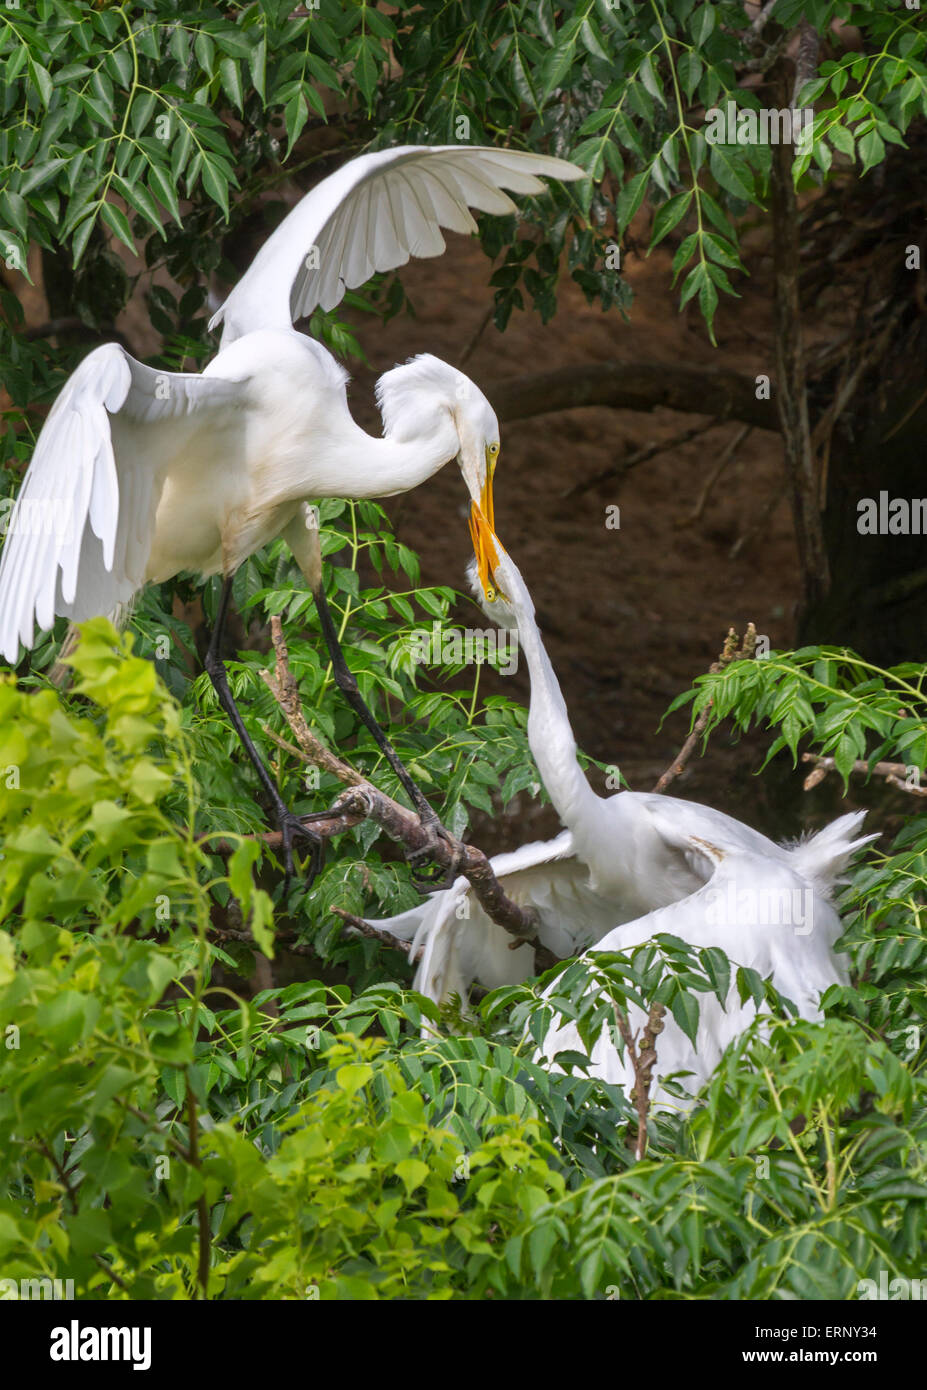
column 164, row 189
column 630, row 199
column 138, row 197
column 66, row 1018
column 871, row 149
column 230, row 77
column 296, row 115
column 352, row 1077
column 669, row 215
column 216, row 184
column 685, row 1011
column 412, row 1172
column 41, row 79
column 731, row 172
column 116, row 219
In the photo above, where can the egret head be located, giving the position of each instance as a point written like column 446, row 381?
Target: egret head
column 416, row 399
column 497, row 585
column 490, row 597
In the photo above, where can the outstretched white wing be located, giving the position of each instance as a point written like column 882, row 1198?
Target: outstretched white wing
column 370, row 216
column 457, row 943
column 79, row 534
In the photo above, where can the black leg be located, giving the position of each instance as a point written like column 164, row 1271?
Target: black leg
column 347, row 684
column 291, row 827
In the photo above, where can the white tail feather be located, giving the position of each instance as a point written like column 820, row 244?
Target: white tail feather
column 822, row 858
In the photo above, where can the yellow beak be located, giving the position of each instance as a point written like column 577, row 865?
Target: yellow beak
column 482, row 535
column 486, row 497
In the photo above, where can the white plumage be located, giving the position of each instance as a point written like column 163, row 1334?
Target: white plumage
column 763, row 914
column 628, row 867
column 138, row 474
column 370, row 216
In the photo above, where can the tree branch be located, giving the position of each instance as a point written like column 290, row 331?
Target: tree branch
column 626, row 385
column 806, row 64
column 375, row 933
column 733, row 650
column 642, row 1061
column 792, row 387
column 892, row 772
column 727, row 453
column 363, row 801
column 618, row 470
column 202, row 1206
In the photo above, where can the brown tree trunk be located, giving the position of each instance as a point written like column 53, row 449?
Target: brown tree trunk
column 877, row 602
column 791, row 381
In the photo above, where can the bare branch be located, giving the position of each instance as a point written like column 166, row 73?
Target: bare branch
column 650, row 451
column 806, row 65
column 733, row 650
column 892, row 772
column 362, row 801
column 635, row 385
column 792, row 388
column 727, row 453
column 202, row 1206
column 477, row 335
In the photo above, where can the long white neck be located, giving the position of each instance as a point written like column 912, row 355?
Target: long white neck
column 418, row 404
column 363, row 466
column 607, row 831
column 550, row 736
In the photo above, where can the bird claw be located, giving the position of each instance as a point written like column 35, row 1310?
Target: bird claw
column 437, row 876
column 292, row 829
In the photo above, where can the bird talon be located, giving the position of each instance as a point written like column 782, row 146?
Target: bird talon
column 291, row 829
column 437, row 876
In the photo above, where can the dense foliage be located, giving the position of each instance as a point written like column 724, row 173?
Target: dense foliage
column 156, row 1129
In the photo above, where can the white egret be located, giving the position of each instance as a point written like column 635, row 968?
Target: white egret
column 776, row 918
column 628, row 866
column 139, row 473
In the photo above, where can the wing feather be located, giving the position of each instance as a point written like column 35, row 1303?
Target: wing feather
column 372, row 215
column 80, row 531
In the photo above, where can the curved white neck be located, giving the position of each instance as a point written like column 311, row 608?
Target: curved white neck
column 356, row 464
column 550, row 736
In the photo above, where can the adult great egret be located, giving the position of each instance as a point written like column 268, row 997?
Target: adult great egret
column 139, row 474
column 629, row 866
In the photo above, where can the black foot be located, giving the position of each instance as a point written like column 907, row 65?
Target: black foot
column 293, row 830
column 436, row 876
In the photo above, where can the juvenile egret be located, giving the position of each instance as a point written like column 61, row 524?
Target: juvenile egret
column 774, row 917
column 628, row 866
column 139, row 473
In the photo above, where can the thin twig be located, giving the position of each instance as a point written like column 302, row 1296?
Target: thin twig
column 643, row 455
column 296, row 948
column 477, row 335
column 375, row 933
column 759, row 21
column 758, row 522
column 792, row 390
column 71, row 1193
column 202, row 1206
column 727, row 453
column 733, row 650
column 822, row 435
